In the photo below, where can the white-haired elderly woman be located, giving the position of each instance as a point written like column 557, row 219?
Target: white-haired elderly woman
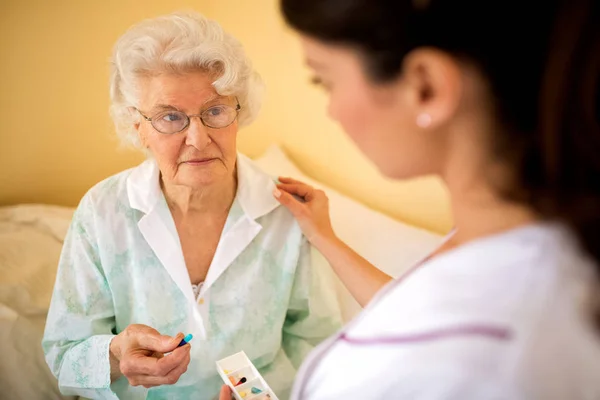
column 190, row 241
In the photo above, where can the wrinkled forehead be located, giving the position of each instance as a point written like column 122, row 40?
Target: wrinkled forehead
column 187, row 92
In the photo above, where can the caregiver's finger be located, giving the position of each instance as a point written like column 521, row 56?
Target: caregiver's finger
column 297, row 189
column 287, row 179
column 295, row 206
column 225, row 393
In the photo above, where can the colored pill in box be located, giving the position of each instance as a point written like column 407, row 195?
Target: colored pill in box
column 238, row 372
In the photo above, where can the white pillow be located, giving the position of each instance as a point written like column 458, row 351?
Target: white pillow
column 388, row 244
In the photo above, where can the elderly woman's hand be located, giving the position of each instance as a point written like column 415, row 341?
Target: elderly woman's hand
column 312, row 212
column 139, row 351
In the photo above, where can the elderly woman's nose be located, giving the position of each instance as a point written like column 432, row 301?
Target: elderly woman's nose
column 197, row 134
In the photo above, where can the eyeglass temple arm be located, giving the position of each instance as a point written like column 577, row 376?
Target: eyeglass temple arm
column 142, row 114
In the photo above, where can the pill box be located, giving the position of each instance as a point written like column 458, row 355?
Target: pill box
column 238, row 366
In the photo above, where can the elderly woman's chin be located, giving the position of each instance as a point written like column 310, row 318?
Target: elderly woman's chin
column 198, row 174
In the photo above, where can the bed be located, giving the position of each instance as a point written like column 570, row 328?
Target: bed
column 31, row 238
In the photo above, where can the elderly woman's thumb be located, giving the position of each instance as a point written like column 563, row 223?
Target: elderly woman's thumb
column 171, row 342
column 160, row 343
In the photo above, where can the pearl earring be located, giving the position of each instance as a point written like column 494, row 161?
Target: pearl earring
column 423, row 120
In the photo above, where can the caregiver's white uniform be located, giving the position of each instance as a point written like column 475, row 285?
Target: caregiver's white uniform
column 503, row 317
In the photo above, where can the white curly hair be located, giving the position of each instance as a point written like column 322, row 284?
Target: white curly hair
column 179, row 42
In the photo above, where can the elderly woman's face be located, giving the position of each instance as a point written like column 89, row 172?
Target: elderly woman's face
column 198, row 155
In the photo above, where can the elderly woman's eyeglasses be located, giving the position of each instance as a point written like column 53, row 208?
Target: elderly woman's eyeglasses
column 172, row 121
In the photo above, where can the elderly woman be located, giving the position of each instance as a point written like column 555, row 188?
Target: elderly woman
column 190, row 241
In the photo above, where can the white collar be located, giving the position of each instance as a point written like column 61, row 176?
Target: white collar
column 254, row 192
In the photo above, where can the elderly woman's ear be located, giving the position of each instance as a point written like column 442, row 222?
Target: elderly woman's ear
column 133, row 113
column 136, row 125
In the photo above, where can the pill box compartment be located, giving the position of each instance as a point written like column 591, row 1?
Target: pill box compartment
column 246, row 372
column 239, row 366
column 245, row 390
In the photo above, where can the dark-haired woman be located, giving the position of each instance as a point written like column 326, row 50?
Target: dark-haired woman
column 500, row 99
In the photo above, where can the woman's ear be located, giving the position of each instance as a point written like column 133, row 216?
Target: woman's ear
column 134, row 114
column 136, row 125
column 435, row 86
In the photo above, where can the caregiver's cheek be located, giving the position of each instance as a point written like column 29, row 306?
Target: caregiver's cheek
column 349, row 114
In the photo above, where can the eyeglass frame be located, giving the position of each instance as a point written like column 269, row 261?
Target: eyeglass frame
column 189, row 118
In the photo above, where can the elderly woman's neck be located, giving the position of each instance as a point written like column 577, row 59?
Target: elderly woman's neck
column 212, row 199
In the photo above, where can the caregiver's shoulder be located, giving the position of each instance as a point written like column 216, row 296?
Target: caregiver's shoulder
column 513, row 322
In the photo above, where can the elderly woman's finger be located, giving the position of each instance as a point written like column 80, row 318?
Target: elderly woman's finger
column 141, row 364
column 225, row 393
column 169, row 379
column 152, row 340
column 179, row 356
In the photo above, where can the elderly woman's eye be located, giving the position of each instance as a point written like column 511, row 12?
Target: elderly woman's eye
column 172, row 117
column 215, row 111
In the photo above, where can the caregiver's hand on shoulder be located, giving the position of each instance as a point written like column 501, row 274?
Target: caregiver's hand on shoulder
column 312, row 214
column 138, row 352
column 360, row 277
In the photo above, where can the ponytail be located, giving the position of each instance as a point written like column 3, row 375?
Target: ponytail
column 569, row 124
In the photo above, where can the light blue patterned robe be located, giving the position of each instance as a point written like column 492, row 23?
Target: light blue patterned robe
column 267, row 292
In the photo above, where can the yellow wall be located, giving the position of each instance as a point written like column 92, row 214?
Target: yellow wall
column 56, row 139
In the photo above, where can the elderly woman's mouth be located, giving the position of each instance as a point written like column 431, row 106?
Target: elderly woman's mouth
column 199, row 161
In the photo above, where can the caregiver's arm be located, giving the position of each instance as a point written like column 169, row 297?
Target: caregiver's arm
column 362, row 279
